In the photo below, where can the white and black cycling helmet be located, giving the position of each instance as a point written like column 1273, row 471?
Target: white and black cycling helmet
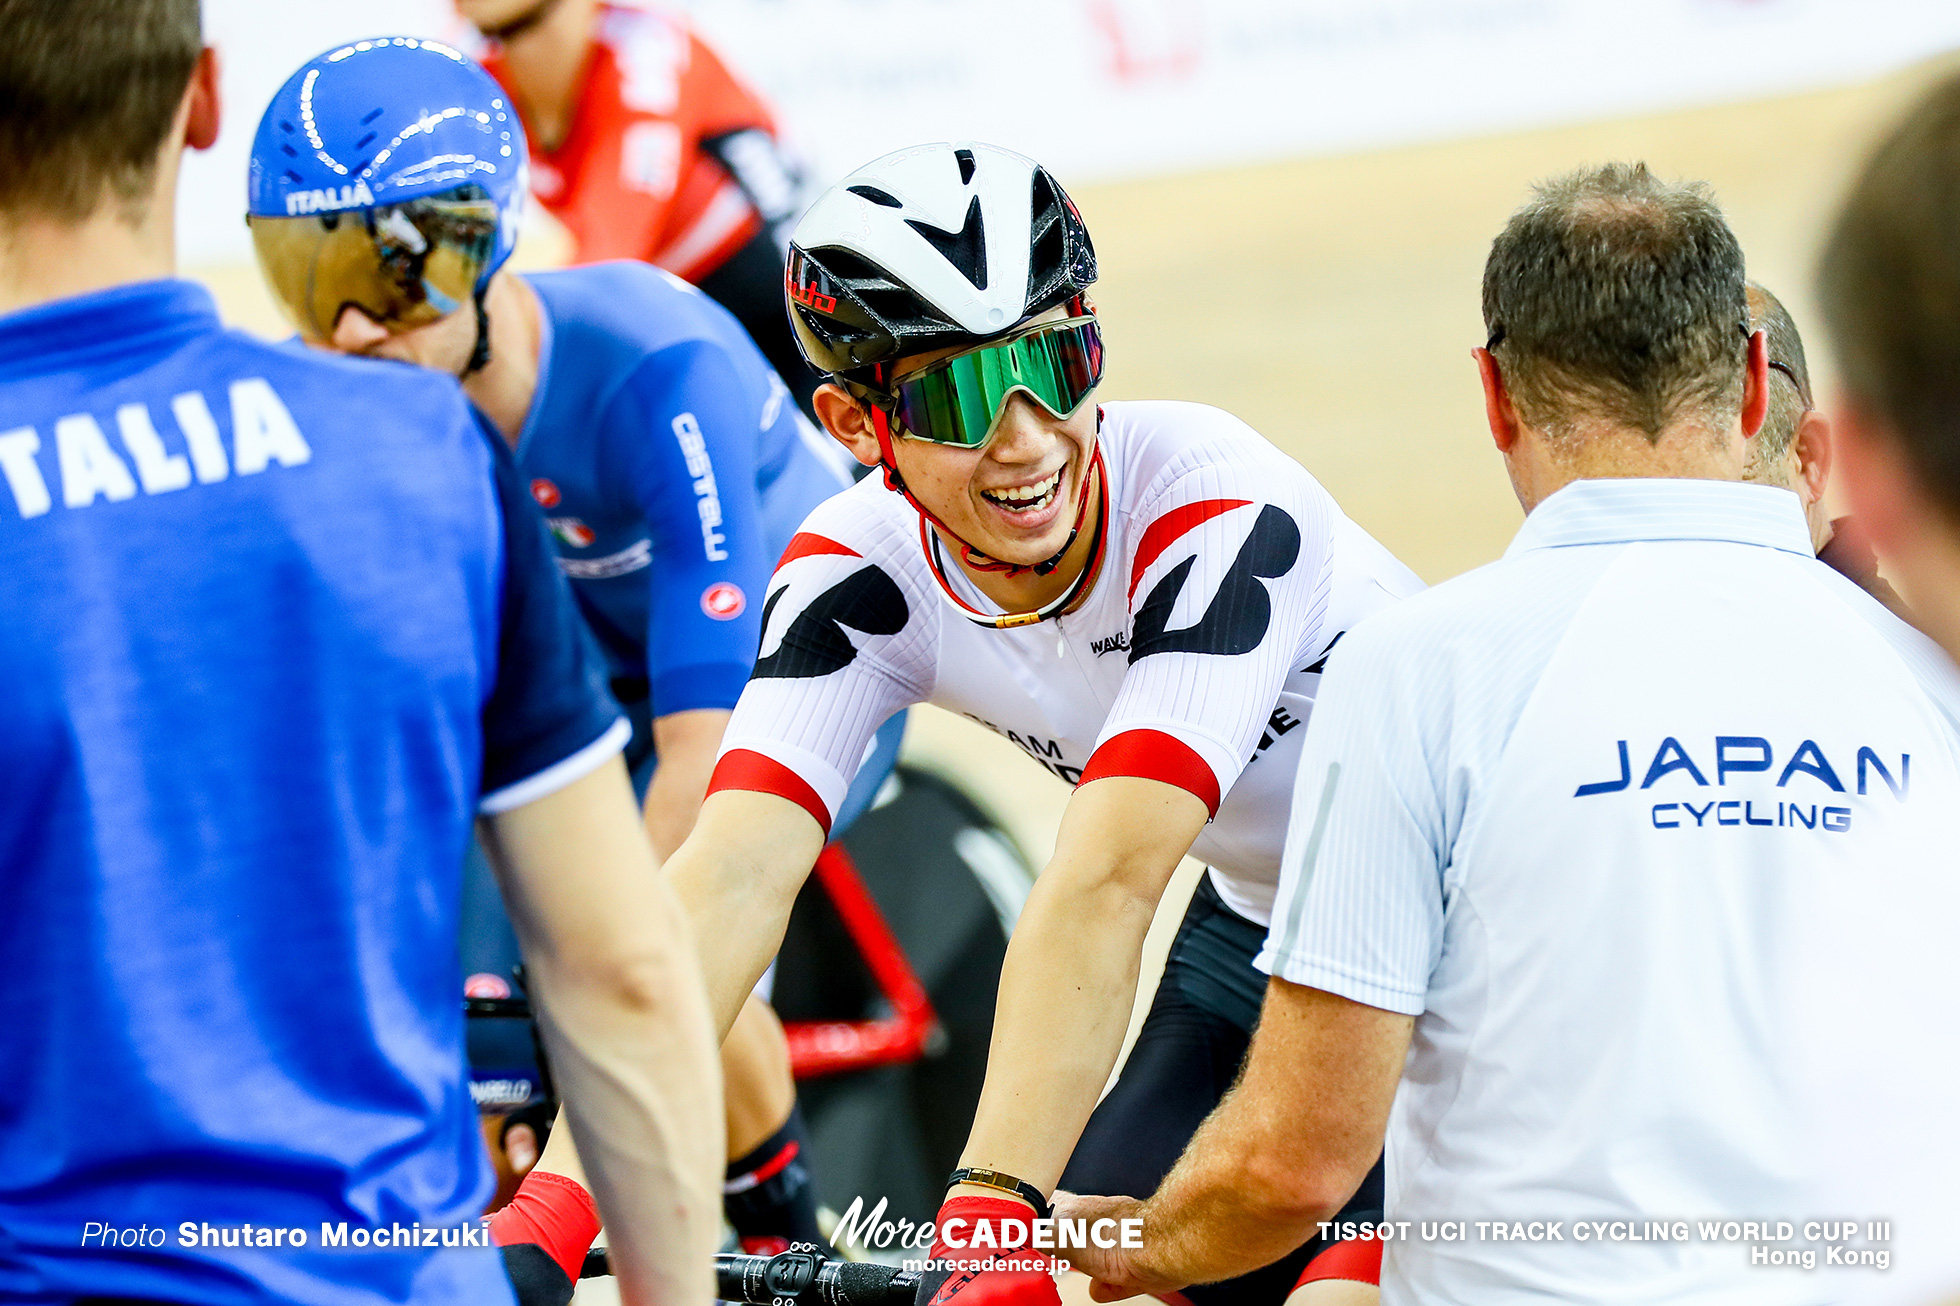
column 937, row 245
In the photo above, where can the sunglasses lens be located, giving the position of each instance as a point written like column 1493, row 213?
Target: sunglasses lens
column 941, row 408
column 958, row 402
column 403, row 265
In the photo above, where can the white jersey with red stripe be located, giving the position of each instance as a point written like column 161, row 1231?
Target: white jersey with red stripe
column 1227, row 576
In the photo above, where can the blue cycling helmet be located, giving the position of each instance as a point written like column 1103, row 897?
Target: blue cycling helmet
column 387, row 175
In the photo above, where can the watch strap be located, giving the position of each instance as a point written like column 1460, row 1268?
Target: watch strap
column 1005, row 1183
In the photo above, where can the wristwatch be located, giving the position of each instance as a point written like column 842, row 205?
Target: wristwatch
column 1006, row 1183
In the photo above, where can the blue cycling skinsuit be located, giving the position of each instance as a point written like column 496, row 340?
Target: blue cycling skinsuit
column 674, row 468
column 278, row 626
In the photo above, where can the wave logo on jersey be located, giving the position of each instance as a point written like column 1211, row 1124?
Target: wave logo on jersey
column 844, row 596
column 724, row 601
column 1240, row 610
column 545, row 493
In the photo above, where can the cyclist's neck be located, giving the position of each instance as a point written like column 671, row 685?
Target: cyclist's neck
column 506, row 386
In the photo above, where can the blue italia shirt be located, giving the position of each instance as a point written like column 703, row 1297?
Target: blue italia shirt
column 276, row 625
column 674, row 468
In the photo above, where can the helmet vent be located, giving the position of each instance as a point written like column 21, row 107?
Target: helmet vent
column 370, row 116
column 1059, row 258
column 876, row 196
column 965, row 249
column 855, row 272
column 965, row 158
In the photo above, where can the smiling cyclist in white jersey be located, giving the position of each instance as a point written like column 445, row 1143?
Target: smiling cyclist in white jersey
column 1139, row 594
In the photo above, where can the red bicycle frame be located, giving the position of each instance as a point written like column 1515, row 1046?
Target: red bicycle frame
column 830, row 1047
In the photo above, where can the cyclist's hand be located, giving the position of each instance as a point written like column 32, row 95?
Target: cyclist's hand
column 1115, row 1272
column 985, row 1278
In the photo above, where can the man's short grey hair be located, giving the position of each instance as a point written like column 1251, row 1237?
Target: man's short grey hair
column 1614, row 296
column 1789, row 396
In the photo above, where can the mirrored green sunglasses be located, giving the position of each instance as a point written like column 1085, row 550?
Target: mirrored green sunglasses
column 959, row 400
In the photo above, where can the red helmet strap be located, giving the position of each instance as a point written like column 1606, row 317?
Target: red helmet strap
column 881, row 424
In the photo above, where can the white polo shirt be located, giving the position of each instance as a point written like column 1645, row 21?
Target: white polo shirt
column 1566, row 810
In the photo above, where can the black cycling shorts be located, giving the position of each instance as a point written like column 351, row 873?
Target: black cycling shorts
column 1185, row 1058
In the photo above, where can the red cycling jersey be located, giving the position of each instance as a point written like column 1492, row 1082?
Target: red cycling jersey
column 632, row 178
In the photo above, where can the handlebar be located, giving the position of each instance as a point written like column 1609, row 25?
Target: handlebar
column 802, row 1278
column 806, row 1277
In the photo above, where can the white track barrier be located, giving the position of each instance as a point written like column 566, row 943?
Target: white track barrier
column 1107, row 89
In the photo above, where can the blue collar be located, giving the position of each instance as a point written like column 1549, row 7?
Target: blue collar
column 1666, row 508
column 129, row 322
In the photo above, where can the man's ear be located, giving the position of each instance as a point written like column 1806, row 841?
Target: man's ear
column 1498, row 410
column 844, row 417
column 1878, row 484
column 205, row 104
column 1755, row 386
column 1814, row 448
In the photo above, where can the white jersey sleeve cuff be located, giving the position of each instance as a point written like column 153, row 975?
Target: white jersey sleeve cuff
column 559, row 774
column 1320, row 974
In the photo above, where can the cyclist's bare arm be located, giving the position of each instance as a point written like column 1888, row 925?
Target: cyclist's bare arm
column 613, row 966
column 737, row 876
column 1070, row 976
column 685, row 744
column 754, row 1058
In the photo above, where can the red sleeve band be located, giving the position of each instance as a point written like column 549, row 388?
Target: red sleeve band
column 1154, row 755
column 746, row 769
column 554, row 1212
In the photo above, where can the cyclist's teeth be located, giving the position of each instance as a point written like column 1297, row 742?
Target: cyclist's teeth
column 1026, row 496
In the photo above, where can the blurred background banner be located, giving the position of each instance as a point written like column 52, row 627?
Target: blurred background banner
column 1104, row 90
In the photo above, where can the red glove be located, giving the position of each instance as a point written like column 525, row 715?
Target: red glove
column 544, row 1234
column 986, row 1226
